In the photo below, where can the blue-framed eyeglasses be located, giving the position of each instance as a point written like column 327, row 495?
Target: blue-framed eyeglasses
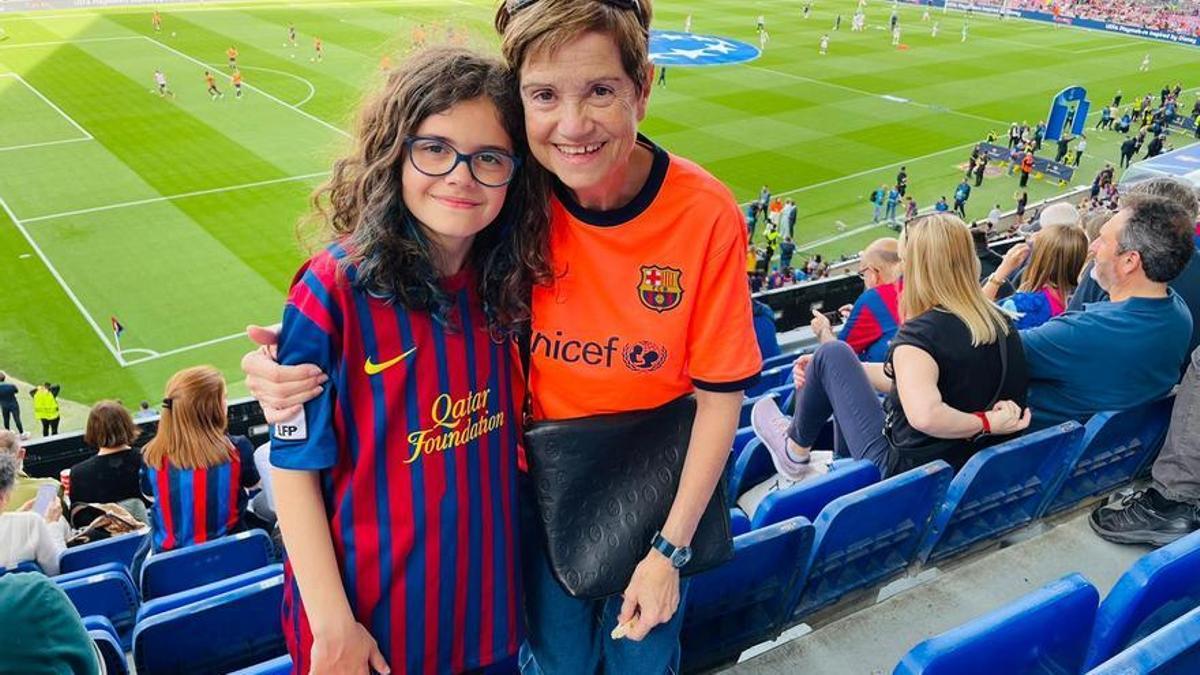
column 433, row 156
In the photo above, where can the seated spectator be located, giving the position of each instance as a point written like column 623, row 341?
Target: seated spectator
column 764, row 329
column 263, row 504
column 26, row 486
column 42, row 629
column 874, row 318
column 1049, row 280
column 25, row 535
column 113, row 474
column 955, row 372
column 1059, row 213
column 1187, row 284
column 145, row 412
column 1127, row 351
column 194, row 473
column 989, row 260
column 1168, row 508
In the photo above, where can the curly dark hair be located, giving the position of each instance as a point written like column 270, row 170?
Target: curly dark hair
column 361, row 203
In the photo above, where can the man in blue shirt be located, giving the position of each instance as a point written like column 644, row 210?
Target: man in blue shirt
column 1127, row 351
column 1187, row 284
column 961, row 194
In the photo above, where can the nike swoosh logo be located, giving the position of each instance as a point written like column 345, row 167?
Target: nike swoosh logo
column 376, row 368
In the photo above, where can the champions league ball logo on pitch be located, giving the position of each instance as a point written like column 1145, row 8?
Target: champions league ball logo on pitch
column 673, row 48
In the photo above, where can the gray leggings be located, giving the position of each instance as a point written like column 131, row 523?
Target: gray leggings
column 1177, row 470
column 837, row 385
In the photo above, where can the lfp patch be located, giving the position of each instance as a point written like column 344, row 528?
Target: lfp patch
column 675, row 48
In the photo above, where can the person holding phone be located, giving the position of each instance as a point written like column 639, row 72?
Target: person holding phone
column 874, row 317
column 36, row 531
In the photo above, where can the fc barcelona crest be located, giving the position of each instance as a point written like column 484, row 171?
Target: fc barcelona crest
column 660, row 289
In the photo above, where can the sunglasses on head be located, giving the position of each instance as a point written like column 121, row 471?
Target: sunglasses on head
column 515, row 6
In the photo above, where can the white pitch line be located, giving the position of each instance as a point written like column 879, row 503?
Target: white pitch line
column 875, row 94
column 61, row 282
column 40, row 145
column 168, row 198
column 60, row 43
column 181, row 350
column 1105, row 48
column 251, row 87
column 312, row 89
column 50, row 103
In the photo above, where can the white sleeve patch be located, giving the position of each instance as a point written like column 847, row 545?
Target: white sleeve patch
column 293, row 429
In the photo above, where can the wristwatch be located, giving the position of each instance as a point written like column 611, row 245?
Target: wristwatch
column 678, row 555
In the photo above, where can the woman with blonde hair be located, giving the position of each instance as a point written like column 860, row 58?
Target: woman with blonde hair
column 954, row 378
column 1048, row 282
column 195, row 473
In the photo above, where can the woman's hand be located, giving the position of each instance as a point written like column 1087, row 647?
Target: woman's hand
column 280, row 390
column 652, row 596
column 1006, row 417
column 346, row 648
column 800, row 369
column 1013, row 259
column 821, row 327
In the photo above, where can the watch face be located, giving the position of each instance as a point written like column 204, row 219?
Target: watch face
column 681, row 557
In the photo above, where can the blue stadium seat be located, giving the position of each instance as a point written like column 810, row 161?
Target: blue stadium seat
column 740, row 439
column 1160, row 587
column 1043, row 632
column 108, row 643
column 235, row 629
column 184, row 568
column 109, row 593
column 742, row 602
column 1115, row 447
column 1173, row 649
column 811, row 495
column 85, row 573
column 23, row 566
column 999, row 490
column 770, row 378
column 867, row 536
column 738, row 522
column 121, row 549
column 750, row 468
column 280, row 665
column 782, row 360
column 168, row 602
column 748, row 404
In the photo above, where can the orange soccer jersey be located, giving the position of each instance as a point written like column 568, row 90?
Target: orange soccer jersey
column 237, row 78
column 648, row 302
column 232, row 53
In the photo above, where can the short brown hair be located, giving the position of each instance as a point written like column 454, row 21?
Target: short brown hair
column 109, row 425
column 545, row 26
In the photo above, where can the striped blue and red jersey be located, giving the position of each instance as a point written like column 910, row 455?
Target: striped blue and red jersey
column 873, row 322
column 192, row 506
column 415, row 438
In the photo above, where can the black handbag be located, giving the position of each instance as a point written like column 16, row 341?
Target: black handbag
column 605, row 485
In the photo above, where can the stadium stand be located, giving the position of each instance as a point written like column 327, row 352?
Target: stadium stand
column 121, row 549
column 192, row 566
column 1173, row 649
column 112, row 652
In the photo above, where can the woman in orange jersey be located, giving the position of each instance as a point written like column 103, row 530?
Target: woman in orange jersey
column 648, row 303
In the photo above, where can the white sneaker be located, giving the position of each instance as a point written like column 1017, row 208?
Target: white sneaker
column 24, row 435
column 771, row 427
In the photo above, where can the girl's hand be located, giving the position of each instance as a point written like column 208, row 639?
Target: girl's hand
column 652, row 596
column 346, row 648
column 280, row 390
column 1007, row 417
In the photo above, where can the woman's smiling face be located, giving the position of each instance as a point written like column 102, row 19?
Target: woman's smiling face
column 581, row 114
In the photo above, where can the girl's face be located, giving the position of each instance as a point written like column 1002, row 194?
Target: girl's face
column 581, row 113
column 453, row 208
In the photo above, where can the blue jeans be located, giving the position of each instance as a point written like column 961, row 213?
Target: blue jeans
column 569, row 636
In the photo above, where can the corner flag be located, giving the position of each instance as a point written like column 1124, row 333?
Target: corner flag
column 117, row 328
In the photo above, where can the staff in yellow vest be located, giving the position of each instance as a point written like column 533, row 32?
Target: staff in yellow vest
column 45, row 407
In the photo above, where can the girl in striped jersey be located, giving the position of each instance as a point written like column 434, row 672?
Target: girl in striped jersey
column 396, row 486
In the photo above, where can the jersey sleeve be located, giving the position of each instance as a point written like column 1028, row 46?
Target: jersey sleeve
column 723, row 351
column 245, row 450
column 310, row 334
column 862, row 328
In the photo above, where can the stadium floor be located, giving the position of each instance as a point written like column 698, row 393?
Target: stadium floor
column 871, row 637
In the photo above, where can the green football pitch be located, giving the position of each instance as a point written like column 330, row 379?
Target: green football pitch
column 178, row 215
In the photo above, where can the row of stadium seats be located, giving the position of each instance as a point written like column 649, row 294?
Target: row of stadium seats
column 1148, row 623
column 212, row 607
column 836, row 537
